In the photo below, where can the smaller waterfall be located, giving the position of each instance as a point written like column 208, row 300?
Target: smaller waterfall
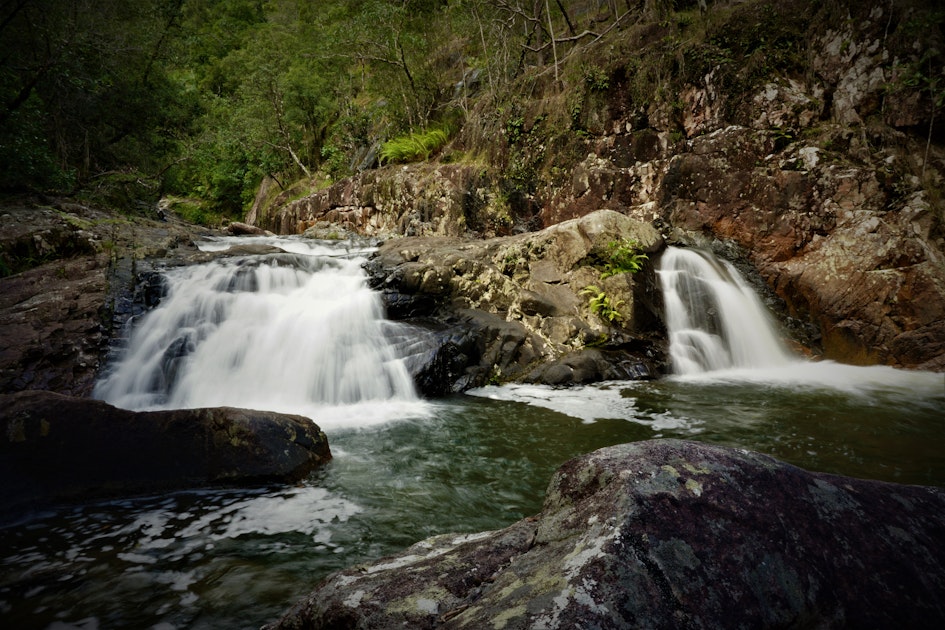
column 294, row 333
column 714, row 319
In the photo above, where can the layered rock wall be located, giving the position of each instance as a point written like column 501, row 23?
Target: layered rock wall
column 411, row 201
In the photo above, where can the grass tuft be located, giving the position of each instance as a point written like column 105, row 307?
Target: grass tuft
column 414, row 147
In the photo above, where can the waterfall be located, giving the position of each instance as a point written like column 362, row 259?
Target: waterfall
column 714, row 319
column 290, row 332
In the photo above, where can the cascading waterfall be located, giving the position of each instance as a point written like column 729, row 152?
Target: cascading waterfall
column 292, row 332
column 714, row 319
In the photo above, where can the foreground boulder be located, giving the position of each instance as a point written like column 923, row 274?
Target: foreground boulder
column 55, row 447
column 668, row 534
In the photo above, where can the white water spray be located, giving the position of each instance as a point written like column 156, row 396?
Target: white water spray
column 720, row 331
column 715, row 320
column 294, row 333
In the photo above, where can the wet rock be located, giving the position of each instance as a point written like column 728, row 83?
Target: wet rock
column 55, row 447
column 59, row 312
column 53, row 327
column 667, row 534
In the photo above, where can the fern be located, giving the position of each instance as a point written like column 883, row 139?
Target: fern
column 414, row 147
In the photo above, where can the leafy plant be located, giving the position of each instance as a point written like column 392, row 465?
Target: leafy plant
column 515, row 128
column 601, row 304
column 195, row 211
column 595, row 78
column 495, row 377
column 414, row 147
column 624, row 256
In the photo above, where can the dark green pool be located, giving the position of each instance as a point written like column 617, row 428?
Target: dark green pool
column 236, row 559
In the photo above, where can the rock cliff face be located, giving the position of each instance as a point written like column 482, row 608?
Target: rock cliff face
column 818, row 176
column 411, row 201
column 76, row 276
column 667, row 534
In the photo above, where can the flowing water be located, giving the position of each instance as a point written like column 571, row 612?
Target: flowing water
column 298, row 332
column 404, row 468
column 714, row 319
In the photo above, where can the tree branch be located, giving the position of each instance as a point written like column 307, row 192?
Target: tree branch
column 564, row 40
column 566, row 18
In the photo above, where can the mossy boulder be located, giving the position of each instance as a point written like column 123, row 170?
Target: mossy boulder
column 508, row 308
column 667, row 534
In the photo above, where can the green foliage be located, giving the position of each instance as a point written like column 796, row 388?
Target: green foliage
column 495, row 376
column 196, row 211
column 514, row 129
column 623, row 256
column 414, row 147
column 601, row 304
column 595, row 77
column 84, row 90
column 204, row 98
column 333, row 159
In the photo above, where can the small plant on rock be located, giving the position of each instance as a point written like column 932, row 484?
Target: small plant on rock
column 601, row 304
column 624, row 256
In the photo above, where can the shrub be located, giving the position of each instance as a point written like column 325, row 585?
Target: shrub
column 624, row 256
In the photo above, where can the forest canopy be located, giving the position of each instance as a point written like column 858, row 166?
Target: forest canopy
column 132, row 100
column 206, row 97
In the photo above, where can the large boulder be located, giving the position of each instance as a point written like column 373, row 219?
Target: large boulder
column 56, row 447
column 518, row 307
column 668, row 534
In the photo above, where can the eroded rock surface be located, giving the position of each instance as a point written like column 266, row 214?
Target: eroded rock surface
column 668, row 534
column 56, row 447
column 73, row 279
column 516, row 308
column 420, row 200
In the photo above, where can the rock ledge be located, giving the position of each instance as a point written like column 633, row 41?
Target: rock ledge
column 55, row 447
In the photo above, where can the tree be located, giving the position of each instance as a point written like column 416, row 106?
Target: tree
column 83, row 88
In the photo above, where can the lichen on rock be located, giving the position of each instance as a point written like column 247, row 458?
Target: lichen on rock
column 624, row 541
column 511, row 308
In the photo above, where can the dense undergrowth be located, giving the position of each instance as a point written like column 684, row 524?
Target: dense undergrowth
column 203, row 99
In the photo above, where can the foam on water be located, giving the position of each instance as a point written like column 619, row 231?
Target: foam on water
column 862, row 381
column 589, row 403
